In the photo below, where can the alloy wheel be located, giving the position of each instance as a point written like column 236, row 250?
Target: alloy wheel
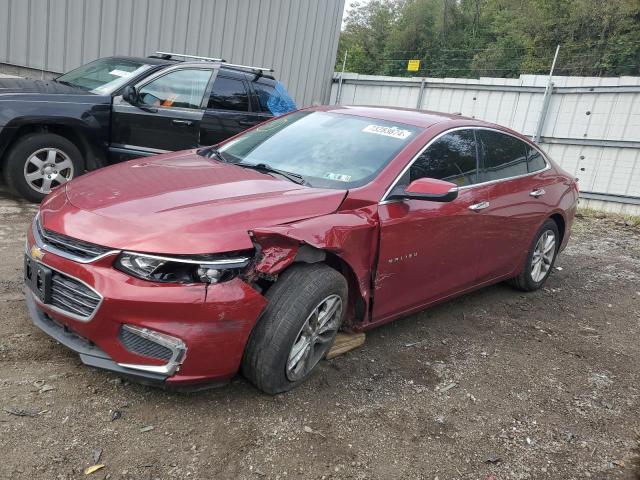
column 47, row 168
column 543, row 254
column 314, row 338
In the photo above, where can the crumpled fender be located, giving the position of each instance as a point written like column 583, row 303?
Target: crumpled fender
column 352, row 236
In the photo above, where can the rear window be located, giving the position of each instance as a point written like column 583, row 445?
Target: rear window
column 274, row 98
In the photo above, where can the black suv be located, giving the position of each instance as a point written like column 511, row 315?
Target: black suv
column 118, row 108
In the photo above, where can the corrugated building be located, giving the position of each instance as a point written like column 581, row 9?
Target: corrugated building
column 298, row 38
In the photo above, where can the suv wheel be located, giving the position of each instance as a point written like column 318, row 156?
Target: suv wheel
column 39, row 162
column 297, row 328
column 540, row 258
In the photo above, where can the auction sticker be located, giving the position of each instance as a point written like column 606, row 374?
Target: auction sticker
column 338, row 176
column 394, row 132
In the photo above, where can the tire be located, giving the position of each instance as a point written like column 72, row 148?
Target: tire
column 529, row 280
column 31, row 156
column 269, row 357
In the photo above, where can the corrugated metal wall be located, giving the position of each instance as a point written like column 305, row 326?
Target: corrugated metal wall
column 298, row 38
column 592, row 126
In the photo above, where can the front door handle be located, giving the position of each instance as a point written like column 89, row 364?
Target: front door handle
column 537, row 193
column 182, row 123
column 479, row 206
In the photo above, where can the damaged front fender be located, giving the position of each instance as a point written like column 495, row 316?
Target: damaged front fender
column 350, row 237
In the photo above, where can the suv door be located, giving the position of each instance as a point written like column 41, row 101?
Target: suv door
column 429, row 250
column 516, row 200
column 230, row 109
column 167, row 117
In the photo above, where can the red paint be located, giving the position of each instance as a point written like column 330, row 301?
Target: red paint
column 398, row 257
column 430, row 186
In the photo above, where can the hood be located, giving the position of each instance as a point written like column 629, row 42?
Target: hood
column 179, row 203
column 10, row 86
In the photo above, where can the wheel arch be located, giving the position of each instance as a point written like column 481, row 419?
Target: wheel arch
column 92, row 156
column 561, row 223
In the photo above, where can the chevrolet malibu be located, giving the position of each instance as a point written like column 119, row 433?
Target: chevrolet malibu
column 185, row 268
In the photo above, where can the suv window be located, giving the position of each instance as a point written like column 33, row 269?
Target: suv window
column 452, row 157
column 177, row 89
column 535, row 160
column 229, row 94
column 504, row 156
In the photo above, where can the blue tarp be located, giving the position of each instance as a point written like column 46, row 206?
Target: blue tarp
column 280, row 102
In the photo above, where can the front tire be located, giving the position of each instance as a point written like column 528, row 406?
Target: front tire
column 297, row 328
column 39, row 162
column 540, row 258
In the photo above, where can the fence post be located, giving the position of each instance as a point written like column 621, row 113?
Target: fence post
column 546, row 100
column 339, row 92
column 422, row 85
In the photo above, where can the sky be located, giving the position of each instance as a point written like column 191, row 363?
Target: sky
column 347, row 7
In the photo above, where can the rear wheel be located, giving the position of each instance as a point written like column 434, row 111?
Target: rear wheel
column 540, row 258
column 39, row 162
column 305, row 310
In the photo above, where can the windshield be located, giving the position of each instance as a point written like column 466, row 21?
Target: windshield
column 326, row 149
column 104, row 75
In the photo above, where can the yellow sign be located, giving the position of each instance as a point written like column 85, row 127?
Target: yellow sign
column 413, row 65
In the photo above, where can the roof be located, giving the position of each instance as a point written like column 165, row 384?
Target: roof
column 409, row 116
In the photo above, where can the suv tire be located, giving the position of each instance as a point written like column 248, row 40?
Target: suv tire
column 38, row 162
column 297, row 328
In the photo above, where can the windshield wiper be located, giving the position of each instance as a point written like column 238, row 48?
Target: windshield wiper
column 263, row 167
column 64, row 82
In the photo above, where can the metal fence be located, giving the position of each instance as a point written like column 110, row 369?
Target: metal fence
column 589, row 125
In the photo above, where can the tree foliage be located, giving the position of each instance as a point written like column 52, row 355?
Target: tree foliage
column 504, row 38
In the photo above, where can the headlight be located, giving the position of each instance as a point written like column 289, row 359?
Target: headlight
column 194, row 269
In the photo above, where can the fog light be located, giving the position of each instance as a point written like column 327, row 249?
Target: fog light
column 150, row 343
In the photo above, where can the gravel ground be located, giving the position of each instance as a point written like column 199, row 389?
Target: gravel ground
column 494, row 385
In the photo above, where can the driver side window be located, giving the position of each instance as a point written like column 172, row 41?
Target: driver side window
column 178, row 89
column 452, row 157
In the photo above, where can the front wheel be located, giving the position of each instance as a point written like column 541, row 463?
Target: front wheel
column 540, row 258
column 297, row 328
column 39, row 162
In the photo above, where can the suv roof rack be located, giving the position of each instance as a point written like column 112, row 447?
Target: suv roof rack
column 169, row 55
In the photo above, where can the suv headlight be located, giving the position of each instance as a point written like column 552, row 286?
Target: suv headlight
column 193, row 269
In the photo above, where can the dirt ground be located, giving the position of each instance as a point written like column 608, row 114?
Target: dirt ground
column 495, row 385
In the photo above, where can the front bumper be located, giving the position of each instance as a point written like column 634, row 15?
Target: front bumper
column 212, row 321
column 89, row 353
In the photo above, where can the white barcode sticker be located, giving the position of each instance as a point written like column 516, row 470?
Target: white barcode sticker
column 394, row 132
column 119, row 73
column 338, row 176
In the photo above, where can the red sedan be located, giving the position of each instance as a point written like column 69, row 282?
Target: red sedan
column 187, row 267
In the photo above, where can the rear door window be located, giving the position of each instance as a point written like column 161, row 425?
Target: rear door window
column 504, row 156
column 229, row 94
column 453, row 157
column 536, row 161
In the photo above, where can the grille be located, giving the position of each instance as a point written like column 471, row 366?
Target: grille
column 143, row 346
column 71, row 246
column 73, row 296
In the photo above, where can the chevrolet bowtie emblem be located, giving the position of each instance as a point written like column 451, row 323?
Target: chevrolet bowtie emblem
column 36, row 253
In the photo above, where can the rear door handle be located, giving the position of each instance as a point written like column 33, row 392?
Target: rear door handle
column 479, row 206
column 537, row 193
column 247, row 123
column 182, row 123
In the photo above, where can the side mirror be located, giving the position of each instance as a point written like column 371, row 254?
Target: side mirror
column 130, row 95
column 427, row 189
